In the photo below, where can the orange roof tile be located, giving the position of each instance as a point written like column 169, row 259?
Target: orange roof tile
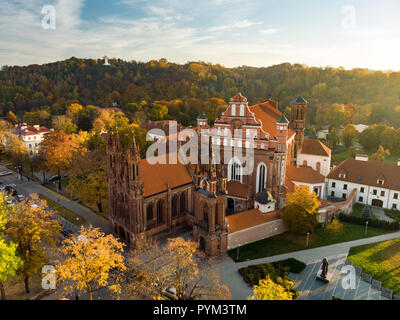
column 268, row 114
column 368, row 173
column 250, row 218
column 156, row 177
column 315, row 147
column 304, row 174
column 237, row 189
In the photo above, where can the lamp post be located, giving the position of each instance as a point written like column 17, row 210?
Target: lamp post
column 237, row 252
column 366, row 227
column 308, row 235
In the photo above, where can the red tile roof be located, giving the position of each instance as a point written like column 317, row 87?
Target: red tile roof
column 268, row 114
column 157, row 177
column 28, row 130
column 368, row 173
column 304, row 174
column 250, row 218
column 315, row 147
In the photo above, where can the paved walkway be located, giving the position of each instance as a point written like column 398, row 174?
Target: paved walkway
column 240, row 290
column 27, row 188
column 380, row 214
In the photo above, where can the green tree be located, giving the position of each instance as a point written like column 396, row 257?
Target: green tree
column 349, row 135
column 301, row 210
column 12, row 118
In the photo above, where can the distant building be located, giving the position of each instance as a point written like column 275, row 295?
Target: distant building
column 361, row 127
column 323, row 134
column 306, row 176
column 32, row 136
column 377, row 183
column 316, row 155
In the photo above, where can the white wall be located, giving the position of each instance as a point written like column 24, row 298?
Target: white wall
column 312, row 162
column 312, row 186
column 367, row 195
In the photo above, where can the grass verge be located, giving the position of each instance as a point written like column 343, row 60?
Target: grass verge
column 64, row 212
column 380, row 260
column 289, row 242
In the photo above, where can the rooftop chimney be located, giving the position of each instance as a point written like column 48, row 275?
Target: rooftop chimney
column 361, row 157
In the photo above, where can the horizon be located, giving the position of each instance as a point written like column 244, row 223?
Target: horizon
column 231, row 33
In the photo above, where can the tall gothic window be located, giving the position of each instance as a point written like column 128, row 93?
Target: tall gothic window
column 234, row 110
column 150, row 211
column 205, row 213
column 261, row 175
column 183, row 202
column 175, row 206
column 160, row 216
column 236, row 171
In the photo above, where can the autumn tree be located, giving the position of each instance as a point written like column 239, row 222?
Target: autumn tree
column 349, row 135
column 174, row 271
column 9, row 260
column 12, row 118
column 380, row 154
column 16, row 150
column 301, row 210
column 56, row 150
column 91, row 261
column 31, row 227
column 269, row 290
column 88, row 177
column 65, row 124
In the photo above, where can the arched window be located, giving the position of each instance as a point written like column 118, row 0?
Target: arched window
column 235, row 171
column 175, row 206
column 261, row 177
column 242, row 110
column 150, row 212
column 183, row 202
column 305, row 163
column 160, row 216
column 233, row 110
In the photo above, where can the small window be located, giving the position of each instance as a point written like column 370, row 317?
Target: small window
column 333, row 184
column 345, row 187
column 382, row 193
column 360, row 199
column 394, row 206
column 380, row 182
column 362, row 190
column 396, row 196
column 332, row 193
column 344, row 196
column 374, row 192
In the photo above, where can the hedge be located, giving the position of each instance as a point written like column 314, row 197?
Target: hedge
column 380, row 224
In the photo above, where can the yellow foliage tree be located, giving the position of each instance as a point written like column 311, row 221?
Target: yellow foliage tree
column 91, row 261
column 30, row 226
column 88, row 177
column 173, row 271
column 301, row 210
column 380, row 154
column 269, row 290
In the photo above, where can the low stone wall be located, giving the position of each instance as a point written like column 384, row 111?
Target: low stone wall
column 327, row 212
column 256, row 233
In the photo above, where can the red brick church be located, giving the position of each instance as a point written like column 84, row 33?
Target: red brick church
column 161, row 198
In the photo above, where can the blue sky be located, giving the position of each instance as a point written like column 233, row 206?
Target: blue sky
column 230, row 32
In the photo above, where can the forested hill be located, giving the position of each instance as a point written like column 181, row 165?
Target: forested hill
column 336, row 96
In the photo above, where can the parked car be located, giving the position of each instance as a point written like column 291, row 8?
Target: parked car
column 54, row 178
column 19, row 197
column 67, row 233
column 5, row 173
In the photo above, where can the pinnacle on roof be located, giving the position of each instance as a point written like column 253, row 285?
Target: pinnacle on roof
column 238, row 98
column 299, row 100
column 283, row 120
column 202, row 116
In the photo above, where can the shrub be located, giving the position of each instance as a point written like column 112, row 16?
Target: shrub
column 380, row 224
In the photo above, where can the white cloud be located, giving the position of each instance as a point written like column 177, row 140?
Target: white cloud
column 235, row 25
column 270, row 31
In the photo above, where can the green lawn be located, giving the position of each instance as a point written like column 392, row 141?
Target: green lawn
column 64, row 212
column 380, row 260
column 343, row 154
column 288, row 242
